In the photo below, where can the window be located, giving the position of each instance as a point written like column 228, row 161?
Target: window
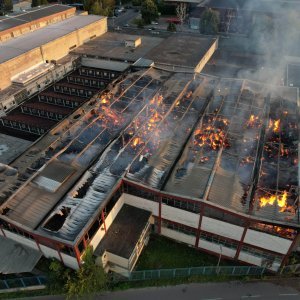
column 218, row 240
column 67, row 250
column 180, row 228
column 182, row 204
column 94, row 228
column 81, row 246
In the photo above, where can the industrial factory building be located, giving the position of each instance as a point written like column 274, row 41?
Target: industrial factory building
column 209, row 162
column 120, row 153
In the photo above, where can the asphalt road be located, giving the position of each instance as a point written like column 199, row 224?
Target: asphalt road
column 123, row 18
column 204, row 291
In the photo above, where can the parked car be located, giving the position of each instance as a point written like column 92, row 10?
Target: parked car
column 154, row 23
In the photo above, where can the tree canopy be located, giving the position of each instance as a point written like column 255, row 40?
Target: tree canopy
column 38, row 2
column 99, row 7
column 209, row 21
column 88, row 280
column 7, row 5
column 149, row 11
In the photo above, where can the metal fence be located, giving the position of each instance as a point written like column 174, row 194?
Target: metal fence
column 22, row 282
column 195, row 271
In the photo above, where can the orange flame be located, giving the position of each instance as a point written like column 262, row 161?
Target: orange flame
column 136, row 141
column 281, row 201
column 274, row 125
column 253, row 120
column 283, row 151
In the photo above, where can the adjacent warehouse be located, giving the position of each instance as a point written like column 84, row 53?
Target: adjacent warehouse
column 48, row 44
column 15, row 25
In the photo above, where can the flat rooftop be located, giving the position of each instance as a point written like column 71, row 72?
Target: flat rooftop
column 11, row 147
column 35, row 39
column 123, row 235
column 181, row 50
column 17, row 19
column 111, row 45
column 104, row 64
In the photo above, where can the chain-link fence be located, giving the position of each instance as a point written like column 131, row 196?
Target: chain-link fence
column 22, row 282
column 195, row 271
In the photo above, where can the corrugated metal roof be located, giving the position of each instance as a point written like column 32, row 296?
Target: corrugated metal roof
column 16, row 257
column 104, row 64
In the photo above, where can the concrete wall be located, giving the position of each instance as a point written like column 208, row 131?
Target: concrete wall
column 267, row 241
column 178, row 236
column 53, row 50
column 222, row 228
column 70, row 261
column 19, row 64
column 141, row 203
column 179, row 216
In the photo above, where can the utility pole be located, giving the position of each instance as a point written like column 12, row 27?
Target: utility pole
column 220, row 255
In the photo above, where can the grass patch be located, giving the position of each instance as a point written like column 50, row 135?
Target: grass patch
column 162, row 253
column 176, row 281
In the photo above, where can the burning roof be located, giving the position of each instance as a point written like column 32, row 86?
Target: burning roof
column 231, row 142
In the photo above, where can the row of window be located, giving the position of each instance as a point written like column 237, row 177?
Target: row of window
column 91, row 82
column 38, row 112
column 181, row 204
column 96, row 73
column 179, row 227
column 22, row 126
column 216, row 239
column 80, row 92
column 262, row 254
column 130, row 189
column 284, row 232
column 58, row 101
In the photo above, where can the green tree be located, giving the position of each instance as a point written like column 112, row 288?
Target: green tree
column 99, row 7
column 139, row 23
column 35, row 3
column 209, row 21
column 89, row 279
column 96, row 8
column 7, row 5
column 171, row 27
column 149, row 11
column 58, row 275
